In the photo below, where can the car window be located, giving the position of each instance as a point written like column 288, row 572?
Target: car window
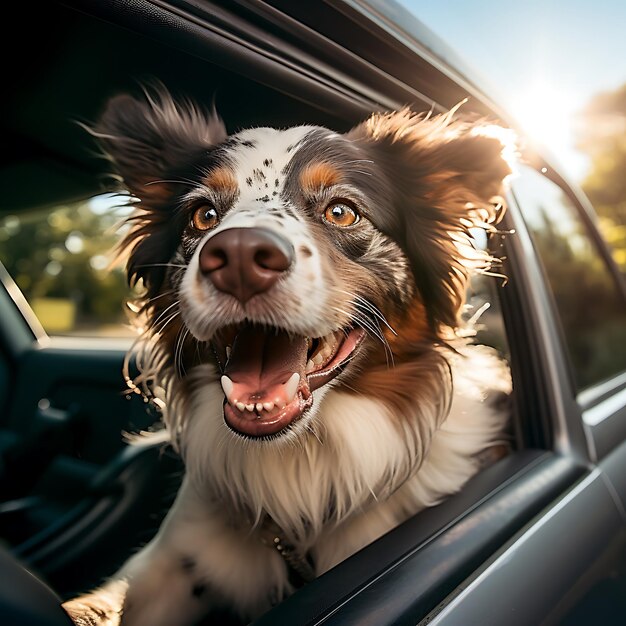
column 482, row 313
column 587, row 298
column 60, row 259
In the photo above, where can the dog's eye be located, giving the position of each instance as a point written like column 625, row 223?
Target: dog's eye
column 340, row 214
column 204, row 218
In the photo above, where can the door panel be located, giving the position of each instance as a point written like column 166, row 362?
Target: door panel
column 87, row 380
column 614, row 466
column 530, row 581
column 74, row 491
column 403, row 575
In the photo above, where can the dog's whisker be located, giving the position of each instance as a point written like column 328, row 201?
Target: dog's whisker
column 197, row 341
column 353, row 389
column 161, row 329
column 169, row 292
column 370, row 307
column 182, row 181
column 371, row 329
column 362, row 302
column 311, row 430
column 374, row 330
column 365, row 322
column 361, row 172
column 175, row 265
column 376, row 312
column 178, row 346
column 377, row 319
column 359, row 161
column 164, row 312
column 374, row 326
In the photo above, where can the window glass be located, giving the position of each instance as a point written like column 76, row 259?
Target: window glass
column 60, row 260
column 592, row 312
column 482, row 313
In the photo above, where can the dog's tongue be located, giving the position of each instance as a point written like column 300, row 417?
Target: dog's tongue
column 262, row 366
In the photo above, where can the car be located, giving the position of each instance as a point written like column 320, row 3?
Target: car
column 537, row 538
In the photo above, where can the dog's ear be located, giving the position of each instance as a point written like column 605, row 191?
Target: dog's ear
column 150, row 140
column 152, row 143
column 443, row 177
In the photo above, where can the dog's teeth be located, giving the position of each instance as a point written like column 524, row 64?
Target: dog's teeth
column 250, row 407
column 268, row 406
column 241, row 406
column 227, row 386
column 259, row 406
column 291, row 386
column 310, row 366
column 318, row 359
column 330, row 343
column 228, row 351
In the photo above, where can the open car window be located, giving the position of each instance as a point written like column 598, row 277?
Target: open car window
column 61, row 258
column 590, row 306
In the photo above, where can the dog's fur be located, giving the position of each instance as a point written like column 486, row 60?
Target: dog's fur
column 400, row 428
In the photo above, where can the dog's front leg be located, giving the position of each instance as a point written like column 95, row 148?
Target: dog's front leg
column 197, row 562
column 152, row 588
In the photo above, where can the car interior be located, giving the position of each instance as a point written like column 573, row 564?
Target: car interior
column 75, row 498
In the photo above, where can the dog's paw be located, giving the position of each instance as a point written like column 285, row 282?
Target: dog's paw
column 166, row 595
column 102, row 607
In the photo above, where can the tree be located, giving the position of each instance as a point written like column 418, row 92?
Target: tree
column 64, row 253
column 602, row 134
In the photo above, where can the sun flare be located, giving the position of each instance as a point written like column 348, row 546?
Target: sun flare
column 548, row 115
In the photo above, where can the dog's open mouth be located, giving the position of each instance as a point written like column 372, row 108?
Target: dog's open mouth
column 270, row 374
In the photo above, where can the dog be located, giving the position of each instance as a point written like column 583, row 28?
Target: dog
column 302, row 290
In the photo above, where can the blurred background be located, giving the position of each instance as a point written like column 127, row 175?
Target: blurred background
column 61, row 257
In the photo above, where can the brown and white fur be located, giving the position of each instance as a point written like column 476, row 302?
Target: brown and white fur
column 401, row 422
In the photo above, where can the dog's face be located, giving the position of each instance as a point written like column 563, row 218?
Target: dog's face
column 294, row 259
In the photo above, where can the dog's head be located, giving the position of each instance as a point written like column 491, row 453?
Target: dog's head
column 293, row 258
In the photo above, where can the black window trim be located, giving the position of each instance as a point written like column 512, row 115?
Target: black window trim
column 553, row 382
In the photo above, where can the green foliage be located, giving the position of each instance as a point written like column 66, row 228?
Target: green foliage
column 590, row 310
column 602, row 135
column 591, row 315
column 64, row 253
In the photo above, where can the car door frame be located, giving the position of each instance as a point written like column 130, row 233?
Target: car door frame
column 248, row 38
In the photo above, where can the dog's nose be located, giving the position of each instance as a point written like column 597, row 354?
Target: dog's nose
column 245, row 261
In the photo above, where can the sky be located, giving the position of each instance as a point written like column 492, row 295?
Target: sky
column 544, row 60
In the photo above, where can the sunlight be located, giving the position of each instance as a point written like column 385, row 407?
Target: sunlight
column 547, row 115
